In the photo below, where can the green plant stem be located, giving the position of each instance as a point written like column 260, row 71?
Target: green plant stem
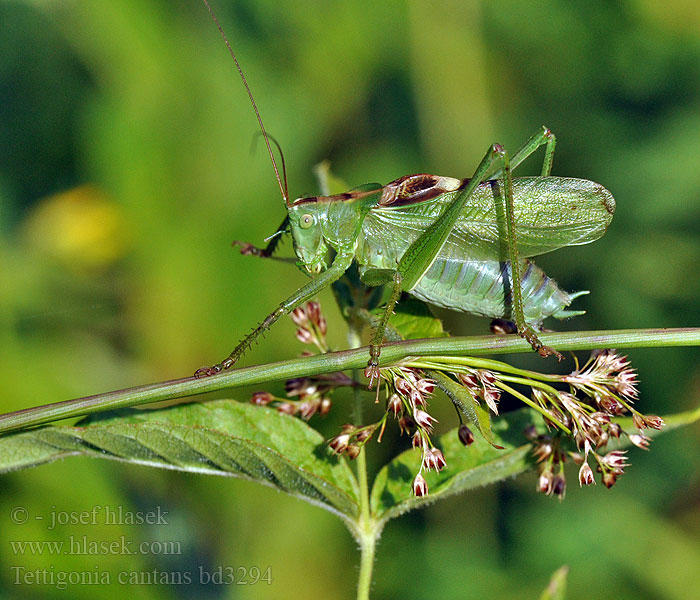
column 368, row 543
column 365, row 526
column 442, row 362
column 341, row 361
column 525, row 400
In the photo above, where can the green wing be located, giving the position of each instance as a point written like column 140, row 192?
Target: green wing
column 550, row 213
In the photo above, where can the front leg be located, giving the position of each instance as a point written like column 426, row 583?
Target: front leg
column 266, row 252
column 306, row 292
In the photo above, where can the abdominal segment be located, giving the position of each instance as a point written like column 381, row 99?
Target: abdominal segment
column 484, row 288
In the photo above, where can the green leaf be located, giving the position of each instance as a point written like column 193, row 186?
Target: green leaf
column 413, row 320
column 467, row 467
column 556, row 590
column 221, row 437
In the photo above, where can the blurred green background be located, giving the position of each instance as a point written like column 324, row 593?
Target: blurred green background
column 126, row 172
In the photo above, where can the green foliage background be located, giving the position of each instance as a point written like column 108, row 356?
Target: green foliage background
column 125, row 173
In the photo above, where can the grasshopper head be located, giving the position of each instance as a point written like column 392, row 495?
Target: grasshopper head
column 305, row 220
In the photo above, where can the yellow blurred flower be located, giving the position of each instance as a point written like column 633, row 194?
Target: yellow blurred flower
column 81, row 227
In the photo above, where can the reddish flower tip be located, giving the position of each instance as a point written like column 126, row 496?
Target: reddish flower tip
column 262, row 398
column 433, row 458
column 420, row 487
column 465, row 435
column 339, row 443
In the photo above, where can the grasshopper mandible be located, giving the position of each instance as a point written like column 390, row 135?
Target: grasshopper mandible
column 461, row 244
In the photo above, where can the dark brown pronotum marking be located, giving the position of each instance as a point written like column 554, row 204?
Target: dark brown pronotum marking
column 412, row 189
column 404, row 191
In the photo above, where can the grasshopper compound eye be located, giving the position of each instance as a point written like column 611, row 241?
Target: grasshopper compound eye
column 306, row 221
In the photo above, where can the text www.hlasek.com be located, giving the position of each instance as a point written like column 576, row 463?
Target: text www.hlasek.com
column 82, row 545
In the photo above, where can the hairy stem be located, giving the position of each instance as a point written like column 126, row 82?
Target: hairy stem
column 368, row 544
column 341, row 361
column 365, row 526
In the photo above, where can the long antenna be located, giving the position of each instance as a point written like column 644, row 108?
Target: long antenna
column 283, row 188
column 279, row 149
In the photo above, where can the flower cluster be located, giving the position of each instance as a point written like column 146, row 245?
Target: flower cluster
column 407, row 394
column 311, row 325
column 351, row 439
column 481, row 383
column 313, row 395
column 603, row 388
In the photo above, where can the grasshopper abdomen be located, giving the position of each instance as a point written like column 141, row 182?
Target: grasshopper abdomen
column 483, row 288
